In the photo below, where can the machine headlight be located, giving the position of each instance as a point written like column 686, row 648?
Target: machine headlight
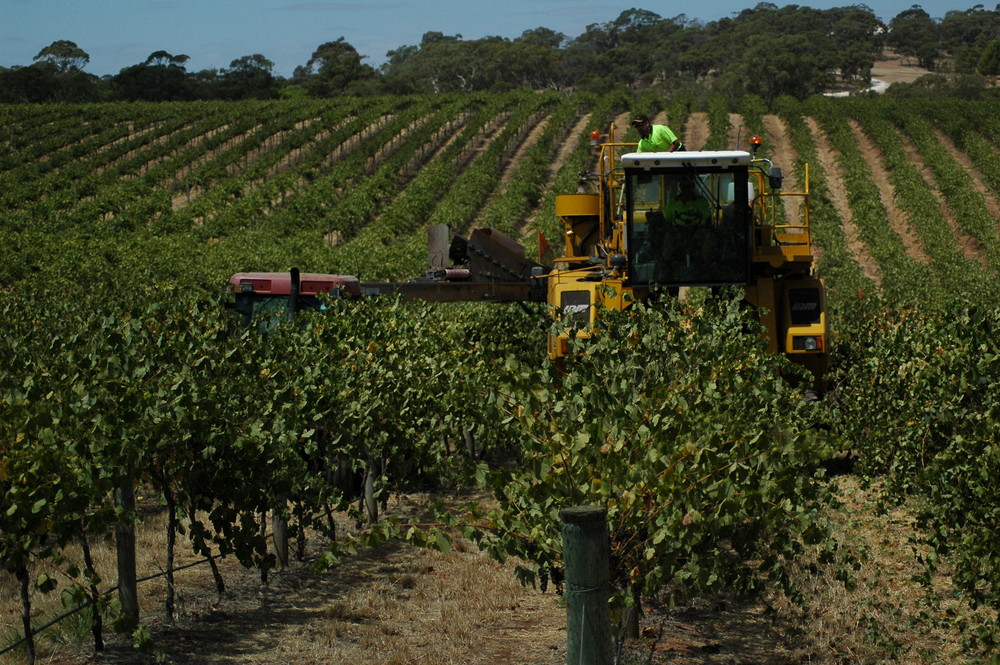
column 807, row 343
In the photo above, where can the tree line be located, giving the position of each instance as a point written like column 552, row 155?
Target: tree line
column 767, row 51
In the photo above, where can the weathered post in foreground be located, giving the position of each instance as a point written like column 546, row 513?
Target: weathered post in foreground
column 279, row 533
column 585, row 555
column 128, row 592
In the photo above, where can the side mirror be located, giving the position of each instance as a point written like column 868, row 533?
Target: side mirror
column 774, row 178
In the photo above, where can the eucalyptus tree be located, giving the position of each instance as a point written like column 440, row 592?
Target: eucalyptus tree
column 65, row 55
column 915, row 34
column 161, row 77
column 332, row 69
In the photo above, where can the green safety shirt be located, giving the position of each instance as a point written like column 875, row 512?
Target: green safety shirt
column 659, row 140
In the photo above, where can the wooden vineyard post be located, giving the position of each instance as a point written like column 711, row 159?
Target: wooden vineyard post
column 586, row 558
column 279, row 533
column 368, row 495
column 128, row 592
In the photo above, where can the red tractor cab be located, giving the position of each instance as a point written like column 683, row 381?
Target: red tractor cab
column 266, row 296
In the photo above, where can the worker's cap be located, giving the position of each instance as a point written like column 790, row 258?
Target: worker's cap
column 639, row 119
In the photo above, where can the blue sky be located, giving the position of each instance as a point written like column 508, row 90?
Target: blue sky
column 120, row 33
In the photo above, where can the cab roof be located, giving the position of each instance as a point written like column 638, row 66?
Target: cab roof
column 686, row 159
column 280, row 283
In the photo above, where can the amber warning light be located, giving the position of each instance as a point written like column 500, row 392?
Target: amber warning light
column 755, row 142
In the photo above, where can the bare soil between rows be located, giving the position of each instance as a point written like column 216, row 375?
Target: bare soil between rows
column 401, row 604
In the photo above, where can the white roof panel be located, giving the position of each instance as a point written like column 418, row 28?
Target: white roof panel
column 686, row 158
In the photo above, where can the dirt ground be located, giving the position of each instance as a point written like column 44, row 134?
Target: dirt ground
column 402, row 605
column 891, row 68
column 398, row 605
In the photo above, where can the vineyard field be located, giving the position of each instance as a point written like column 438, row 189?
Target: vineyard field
column 122, row 371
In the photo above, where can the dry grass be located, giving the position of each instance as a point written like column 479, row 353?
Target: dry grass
column 400, row 605
column 892, row 609
column 883, row 614
column 393, row 605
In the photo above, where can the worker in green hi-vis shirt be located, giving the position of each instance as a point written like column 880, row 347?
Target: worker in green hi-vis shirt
column 655, row 138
